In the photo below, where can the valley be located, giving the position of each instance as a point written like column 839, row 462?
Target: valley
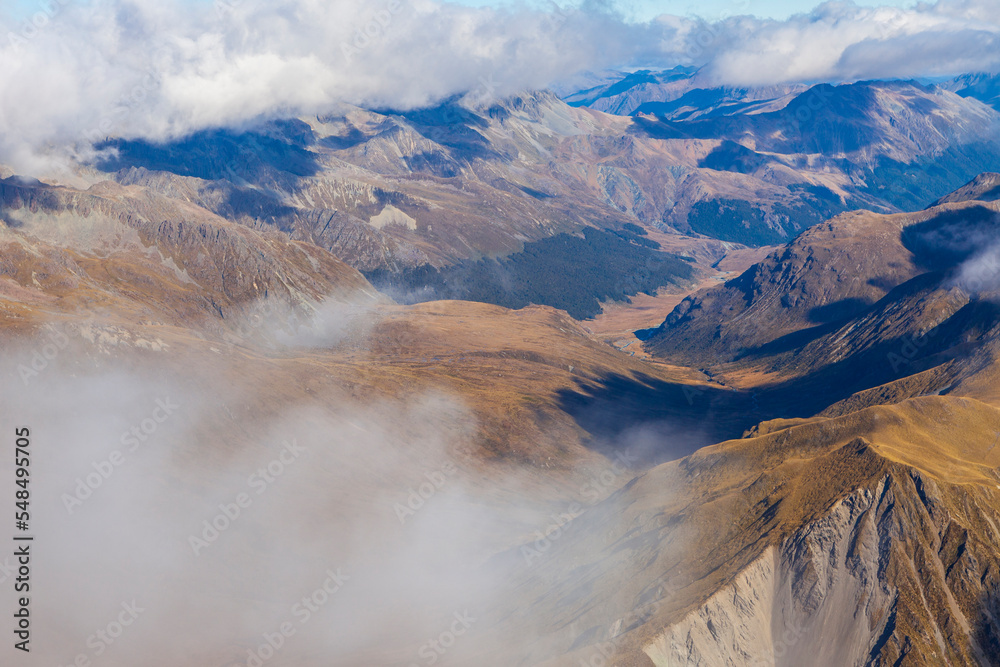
column 545, row 430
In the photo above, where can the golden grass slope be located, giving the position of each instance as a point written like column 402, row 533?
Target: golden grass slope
column 678, row 535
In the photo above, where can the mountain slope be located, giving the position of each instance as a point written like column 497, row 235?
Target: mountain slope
column 983, row 87
column 393, row 190
column 678, row 94
column 167, row 259
column 866, row 539
column 864, row 310
column 568, row 495
column 984, row 187
column 828, row 274
column 629, row 90
column 832, row 274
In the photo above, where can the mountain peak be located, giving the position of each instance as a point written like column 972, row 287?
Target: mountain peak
column 984, row 187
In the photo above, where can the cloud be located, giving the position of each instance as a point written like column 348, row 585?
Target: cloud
column 199, row 497
column 151, row 489
column 839, row 41
column 981, row 273
column 77, row 72
column 161, row 70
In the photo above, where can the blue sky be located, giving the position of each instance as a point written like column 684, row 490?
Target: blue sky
column 641, row 10
column 637, row 10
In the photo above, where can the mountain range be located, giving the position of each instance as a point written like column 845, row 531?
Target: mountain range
column 794, row 461
column 446, row 201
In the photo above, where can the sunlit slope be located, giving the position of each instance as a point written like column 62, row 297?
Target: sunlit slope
column 865, row 539
column 261, row 340
column 121, row 271
column 151, row 257
column 985, row 187
column 828, row 275
column 393, row 189
column 862, row 310
column 858, row 524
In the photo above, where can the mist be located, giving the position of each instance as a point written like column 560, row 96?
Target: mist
column 981, row 272
column 201, row 504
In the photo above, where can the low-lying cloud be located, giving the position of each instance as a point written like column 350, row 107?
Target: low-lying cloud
column 76, row 72
column 198, row 507
column 981, row 272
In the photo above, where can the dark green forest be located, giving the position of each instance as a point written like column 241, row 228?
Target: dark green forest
column 567, row 271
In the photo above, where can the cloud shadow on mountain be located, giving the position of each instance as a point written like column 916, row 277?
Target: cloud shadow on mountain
column 276, row 154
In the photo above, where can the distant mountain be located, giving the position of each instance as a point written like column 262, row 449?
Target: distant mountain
column 629, row 90
column 985, row 187
column 726, row 101
column 680, row 93
column 684, row 93
column 413, row 192
column 983, row 87
column 854, row 311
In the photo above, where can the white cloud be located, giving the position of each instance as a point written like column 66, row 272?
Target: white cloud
column 841, row 41
column 981, row 273
column 138, row 68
